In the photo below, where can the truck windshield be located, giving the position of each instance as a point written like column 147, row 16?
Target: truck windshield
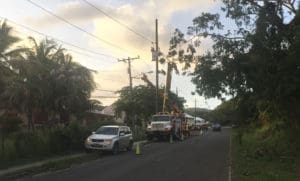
column 161, row 118
column 107, row 130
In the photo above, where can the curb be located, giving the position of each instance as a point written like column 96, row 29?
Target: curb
column 37, row 164
column 143, row 142
column 230, row 160
column 41, row 163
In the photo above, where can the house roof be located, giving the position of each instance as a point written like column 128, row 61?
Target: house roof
column 199, row 119
column 109, row 110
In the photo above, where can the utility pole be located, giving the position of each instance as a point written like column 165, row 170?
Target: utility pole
column 195, row 108
column 128, row 60
column 156, row 61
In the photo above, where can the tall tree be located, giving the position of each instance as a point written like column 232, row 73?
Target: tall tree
column 30, row 91
column 139, row 104
column 49, row 82
column 7, row 52
column 72, row 87
column 256, row 58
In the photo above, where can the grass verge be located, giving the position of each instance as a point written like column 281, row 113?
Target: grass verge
column 56, row 164
column 51, row 166
column 247, row 166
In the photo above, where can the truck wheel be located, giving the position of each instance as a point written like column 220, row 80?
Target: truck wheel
column 149, row 137
column 88, row 150
column 115, row 149
column 129, row 148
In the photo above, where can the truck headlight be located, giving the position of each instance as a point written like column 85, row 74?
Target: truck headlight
column 168, row 127
column 107, row 142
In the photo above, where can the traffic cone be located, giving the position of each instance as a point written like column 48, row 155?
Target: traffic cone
column 171, row 138
column 137, row 149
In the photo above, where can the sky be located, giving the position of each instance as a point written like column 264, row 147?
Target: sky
column 114, row 40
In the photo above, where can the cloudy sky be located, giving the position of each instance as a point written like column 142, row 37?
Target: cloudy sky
column 114, row 40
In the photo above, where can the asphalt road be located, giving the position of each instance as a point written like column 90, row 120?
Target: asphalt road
column 199, row 158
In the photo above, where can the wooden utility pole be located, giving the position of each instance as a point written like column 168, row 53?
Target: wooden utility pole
column 128, row 60
column 156, row 61
column 195, row 109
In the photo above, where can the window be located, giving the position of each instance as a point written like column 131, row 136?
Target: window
column 107, row 131
column 127, row 130
column 161, row 118
column 122, row 130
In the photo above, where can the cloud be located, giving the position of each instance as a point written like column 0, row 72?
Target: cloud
column 73, row 11
column 140, row 16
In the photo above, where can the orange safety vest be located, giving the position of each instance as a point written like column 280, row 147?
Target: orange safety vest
column 187, row 127
column 183, row 126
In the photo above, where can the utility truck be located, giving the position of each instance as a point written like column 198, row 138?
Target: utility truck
column 164, row 125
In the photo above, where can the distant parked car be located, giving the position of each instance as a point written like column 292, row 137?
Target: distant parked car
column 110, row 138
column 216, row 127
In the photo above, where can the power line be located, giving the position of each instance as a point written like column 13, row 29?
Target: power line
column 72, row 50
column 101, row 71
column 77, row 27
column 84, row 54
column 57, row 40
column 117, row 21
column 105, row 97
column 63, row 42
column 128, row 60
column 104, row 90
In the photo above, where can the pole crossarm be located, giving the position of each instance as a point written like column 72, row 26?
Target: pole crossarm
column 128, row 60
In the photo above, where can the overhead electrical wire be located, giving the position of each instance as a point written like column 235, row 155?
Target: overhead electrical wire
column 84, row 54
column 105, row 97
column 77, row 27
column 83, row 30
column 61, row 41
column 119, row 22
column 104, row 90
column 88, row 33
column 75, row 52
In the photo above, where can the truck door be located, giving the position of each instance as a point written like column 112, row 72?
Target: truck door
column 122, row 137
column 127, row 136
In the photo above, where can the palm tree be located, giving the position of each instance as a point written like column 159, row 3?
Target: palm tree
column 6, row 42
column 49, row 82
column 73, row 85
column 31, row 90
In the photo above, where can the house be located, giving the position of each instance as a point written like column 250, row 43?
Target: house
column 110, row 110
column 106, row 115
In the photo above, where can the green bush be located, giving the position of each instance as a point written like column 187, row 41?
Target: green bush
column 268, row 143
column 44, row 142
column 139, row 133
